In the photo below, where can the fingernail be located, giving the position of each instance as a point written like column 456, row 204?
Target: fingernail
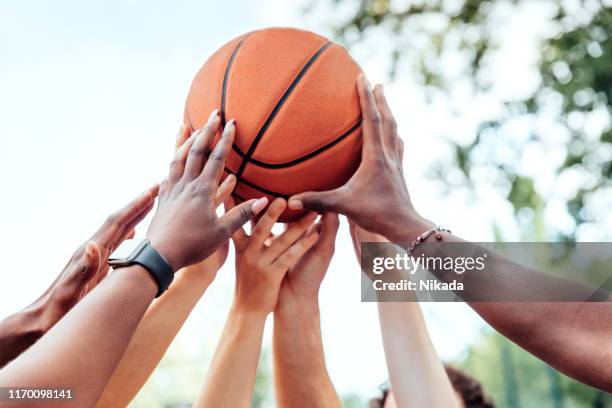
column 213, row 115
column 296, row 205
column 259, row 205
column 229, row 126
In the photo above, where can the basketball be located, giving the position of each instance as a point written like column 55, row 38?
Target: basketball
column 294, row 97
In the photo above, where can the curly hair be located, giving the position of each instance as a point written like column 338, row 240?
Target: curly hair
column 470, row 390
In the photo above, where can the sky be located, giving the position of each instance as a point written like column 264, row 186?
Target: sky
column 91, row 95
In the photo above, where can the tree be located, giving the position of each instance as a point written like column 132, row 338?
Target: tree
column 574, row 94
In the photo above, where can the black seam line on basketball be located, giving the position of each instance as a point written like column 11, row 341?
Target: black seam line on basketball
column 307, row 156
column 228, row 68
column 278, row 106
column 257, row 187
column 225, row 75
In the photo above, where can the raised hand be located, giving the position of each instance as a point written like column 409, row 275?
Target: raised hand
column 303, row 281
column 206, row 270
column 261, row 264
column 85, row 269
column 186, row 228
column 376, row 197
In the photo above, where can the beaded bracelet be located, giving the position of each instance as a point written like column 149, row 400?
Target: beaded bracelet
column 421, row 238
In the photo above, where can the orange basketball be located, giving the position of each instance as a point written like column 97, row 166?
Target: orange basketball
column 294, row 97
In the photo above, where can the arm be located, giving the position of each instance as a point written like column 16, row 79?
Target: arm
column 260, row 269
column 83, row 349
column 164, row 318
column 376, row 199
column 300, row 375
column 416, row 374
column 83, row 272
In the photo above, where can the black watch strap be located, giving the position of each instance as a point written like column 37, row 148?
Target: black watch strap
column 157, row 266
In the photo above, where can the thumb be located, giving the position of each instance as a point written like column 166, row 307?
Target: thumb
column 318, row 201
column 235, row 218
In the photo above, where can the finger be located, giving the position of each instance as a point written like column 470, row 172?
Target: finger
column 389, row 125
column 85, row 268
column 329, row 230
column 239, row 237
column 355, row 239
column 177, row 165
column 130, row 226
column 213, row 168
column 116, row 222
column 287, row 238
column 319, row 201
column 241, row 214
column 371, row 119
column 291, row 256
column 200, row 150
column 263, row 228
column 182, row 136
column 225, row 189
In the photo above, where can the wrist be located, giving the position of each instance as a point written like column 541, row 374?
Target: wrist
column 166, row 250
column 412, row 225
column 243, row 313
column 292, row 307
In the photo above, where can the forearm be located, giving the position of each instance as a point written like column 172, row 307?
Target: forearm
column 17, row 333
column 300, row 375
column 416, row 373
column 159, row 326
column 231, row 377
column 541, row 327
column 82, row 350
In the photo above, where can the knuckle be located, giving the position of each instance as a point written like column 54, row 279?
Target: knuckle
column 201, row 190
column 374, row 117
column 318, row 205
column 175, row 163
column 199, row 151
column 245, row 215
column 217, row 157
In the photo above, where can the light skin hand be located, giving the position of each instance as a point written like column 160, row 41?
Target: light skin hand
column 261, row 264
column 260, row 269
column 416, row 373
column 85, row 269
column 300, row 375
column 376, row 197
column 186, row 228
column 302, row 282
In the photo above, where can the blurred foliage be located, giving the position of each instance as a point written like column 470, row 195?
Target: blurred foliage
column 514, row 378
column 573, row 91
column 575, row 86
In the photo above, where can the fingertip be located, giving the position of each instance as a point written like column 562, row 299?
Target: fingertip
column 259, row 205
column 154, row 190
column 295, row 204
column 213, row 115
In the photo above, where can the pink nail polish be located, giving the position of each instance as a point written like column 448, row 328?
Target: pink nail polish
column 259, row 205
column 213, row 115
column 296, row 205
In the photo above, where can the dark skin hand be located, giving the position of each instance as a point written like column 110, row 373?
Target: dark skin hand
column 85, row 269
column 187, row 200
column 376, row 199
column 84, row 348
column 379, row 178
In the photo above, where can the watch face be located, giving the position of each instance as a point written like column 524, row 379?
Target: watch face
column 126, row 252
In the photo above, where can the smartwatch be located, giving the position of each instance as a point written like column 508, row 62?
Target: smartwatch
column 140, row 251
